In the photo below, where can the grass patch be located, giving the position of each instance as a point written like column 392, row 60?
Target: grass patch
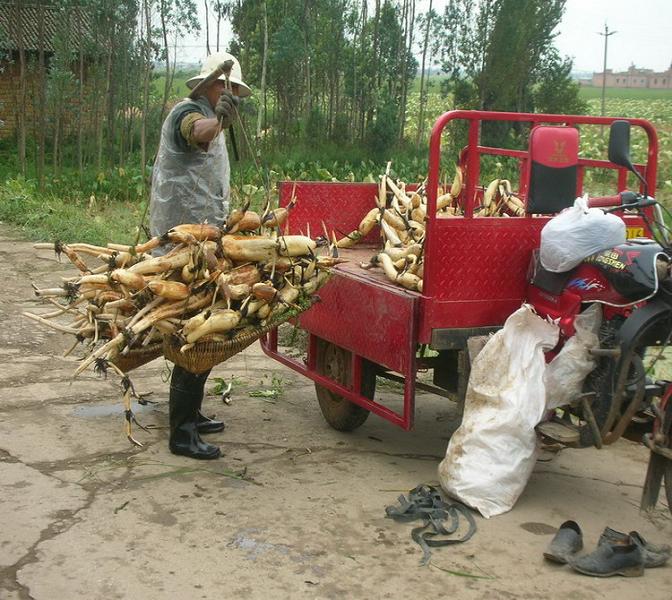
column 48, row 217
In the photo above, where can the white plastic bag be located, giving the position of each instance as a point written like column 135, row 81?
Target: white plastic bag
column 565, row 374
column 576, row 233
column 491, row 455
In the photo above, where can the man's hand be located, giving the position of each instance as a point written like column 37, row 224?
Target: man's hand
column 225, row 109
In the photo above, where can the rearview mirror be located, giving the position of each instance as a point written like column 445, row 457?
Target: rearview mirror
column 619, row 149
column 619, row 144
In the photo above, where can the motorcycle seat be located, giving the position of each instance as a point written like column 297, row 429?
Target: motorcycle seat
column 550, row 282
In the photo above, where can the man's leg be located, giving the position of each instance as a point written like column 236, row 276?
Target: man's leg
column 205, row 424
column 186, row 394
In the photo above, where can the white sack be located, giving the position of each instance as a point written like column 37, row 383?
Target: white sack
column 566, row 372
column 576, row 233
column 491, row 455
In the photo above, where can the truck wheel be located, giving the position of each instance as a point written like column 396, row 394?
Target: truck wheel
column 335, row 362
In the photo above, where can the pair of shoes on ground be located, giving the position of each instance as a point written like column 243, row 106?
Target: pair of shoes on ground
column 626, row 554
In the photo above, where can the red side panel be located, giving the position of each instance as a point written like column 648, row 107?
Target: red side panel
column 373, row 320
column 341, row 206
column 476, row 273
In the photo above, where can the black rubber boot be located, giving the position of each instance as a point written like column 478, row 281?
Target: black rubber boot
column 185, row 397
column 203, row 423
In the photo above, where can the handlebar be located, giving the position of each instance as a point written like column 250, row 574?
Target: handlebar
column 630, row 201
column 655, row 223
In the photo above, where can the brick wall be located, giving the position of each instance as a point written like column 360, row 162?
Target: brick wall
column 635, row 78
column 9, row 104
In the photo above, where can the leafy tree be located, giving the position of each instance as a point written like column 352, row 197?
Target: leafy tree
column 521, row 38
column 285, row 63
column 382, row 133
column 499, row 55
column 556, row 91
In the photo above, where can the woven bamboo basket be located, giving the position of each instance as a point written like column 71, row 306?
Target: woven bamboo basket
column 204, row 355
column 137, row 357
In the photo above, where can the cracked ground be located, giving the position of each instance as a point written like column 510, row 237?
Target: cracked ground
column 293, row 509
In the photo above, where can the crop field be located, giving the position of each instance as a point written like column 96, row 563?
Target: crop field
column 658, row 112
column 588, row 93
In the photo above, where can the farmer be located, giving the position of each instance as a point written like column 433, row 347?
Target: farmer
column 190, row 184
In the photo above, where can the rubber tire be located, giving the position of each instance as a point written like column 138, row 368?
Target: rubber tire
column 335, row 362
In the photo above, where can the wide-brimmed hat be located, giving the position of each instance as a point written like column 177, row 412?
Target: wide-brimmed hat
column 212, row 62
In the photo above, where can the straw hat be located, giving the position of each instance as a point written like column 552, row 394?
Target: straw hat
column 212, row 62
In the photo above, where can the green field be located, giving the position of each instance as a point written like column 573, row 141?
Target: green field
column 177, row 90
column 589, row 93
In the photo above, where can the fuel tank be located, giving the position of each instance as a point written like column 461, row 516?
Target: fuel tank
column 619, row 276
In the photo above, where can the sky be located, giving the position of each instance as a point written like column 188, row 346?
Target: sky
column 643, row 34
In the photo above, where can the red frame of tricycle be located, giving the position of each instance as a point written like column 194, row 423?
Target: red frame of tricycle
column 474, row 274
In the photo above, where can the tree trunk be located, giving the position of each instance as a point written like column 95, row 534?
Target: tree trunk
column 21, row 103
column 42, row 104
column 111, row 95
column 376, row 43
column 353, row 104
column 262, row 109
column 207, row 28
column 125, row 113
column 398, row 84
column 80, row 111
column 423, row 99
column 218, row 8
column 164, row 31
column 106, row 104
column 409, row 52
column 56, row 149
column 145, row 92
column 362, row 94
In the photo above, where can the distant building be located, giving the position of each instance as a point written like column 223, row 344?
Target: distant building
column 33, row 28
column 635, row 78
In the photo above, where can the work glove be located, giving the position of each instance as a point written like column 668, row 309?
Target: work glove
column 225, row 109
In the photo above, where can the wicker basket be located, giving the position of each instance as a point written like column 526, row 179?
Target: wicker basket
column 137, row 357
column 202, row 356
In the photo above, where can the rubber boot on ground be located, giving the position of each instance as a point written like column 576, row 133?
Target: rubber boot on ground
column 205, row 424
column 184, row 400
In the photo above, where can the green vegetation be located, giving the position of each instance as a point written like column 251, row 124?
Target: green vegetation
column 340, row 116
column 109, row 204
column 588, row 93
column 49, row 216
column 178, row 89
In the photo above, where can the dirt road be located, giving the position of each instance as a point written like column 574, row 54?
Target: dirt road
column 292, row 510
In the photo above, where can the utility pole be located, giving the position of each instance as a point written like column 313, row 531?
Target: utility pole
column 606, row 35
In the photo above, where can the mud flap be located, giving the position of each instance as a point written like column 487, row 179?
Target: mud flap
column 640, row 320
